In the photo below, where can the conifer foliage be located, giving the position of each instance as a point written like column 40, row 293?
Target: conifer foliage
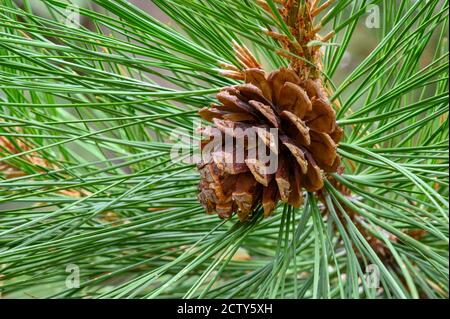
column 94, row 98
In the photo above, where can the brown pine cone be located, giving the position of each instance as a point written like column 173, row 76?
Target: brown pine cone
column 307, row 142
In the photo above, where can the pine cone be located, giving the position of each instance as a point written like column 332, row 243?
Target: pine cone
column 307, row 133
